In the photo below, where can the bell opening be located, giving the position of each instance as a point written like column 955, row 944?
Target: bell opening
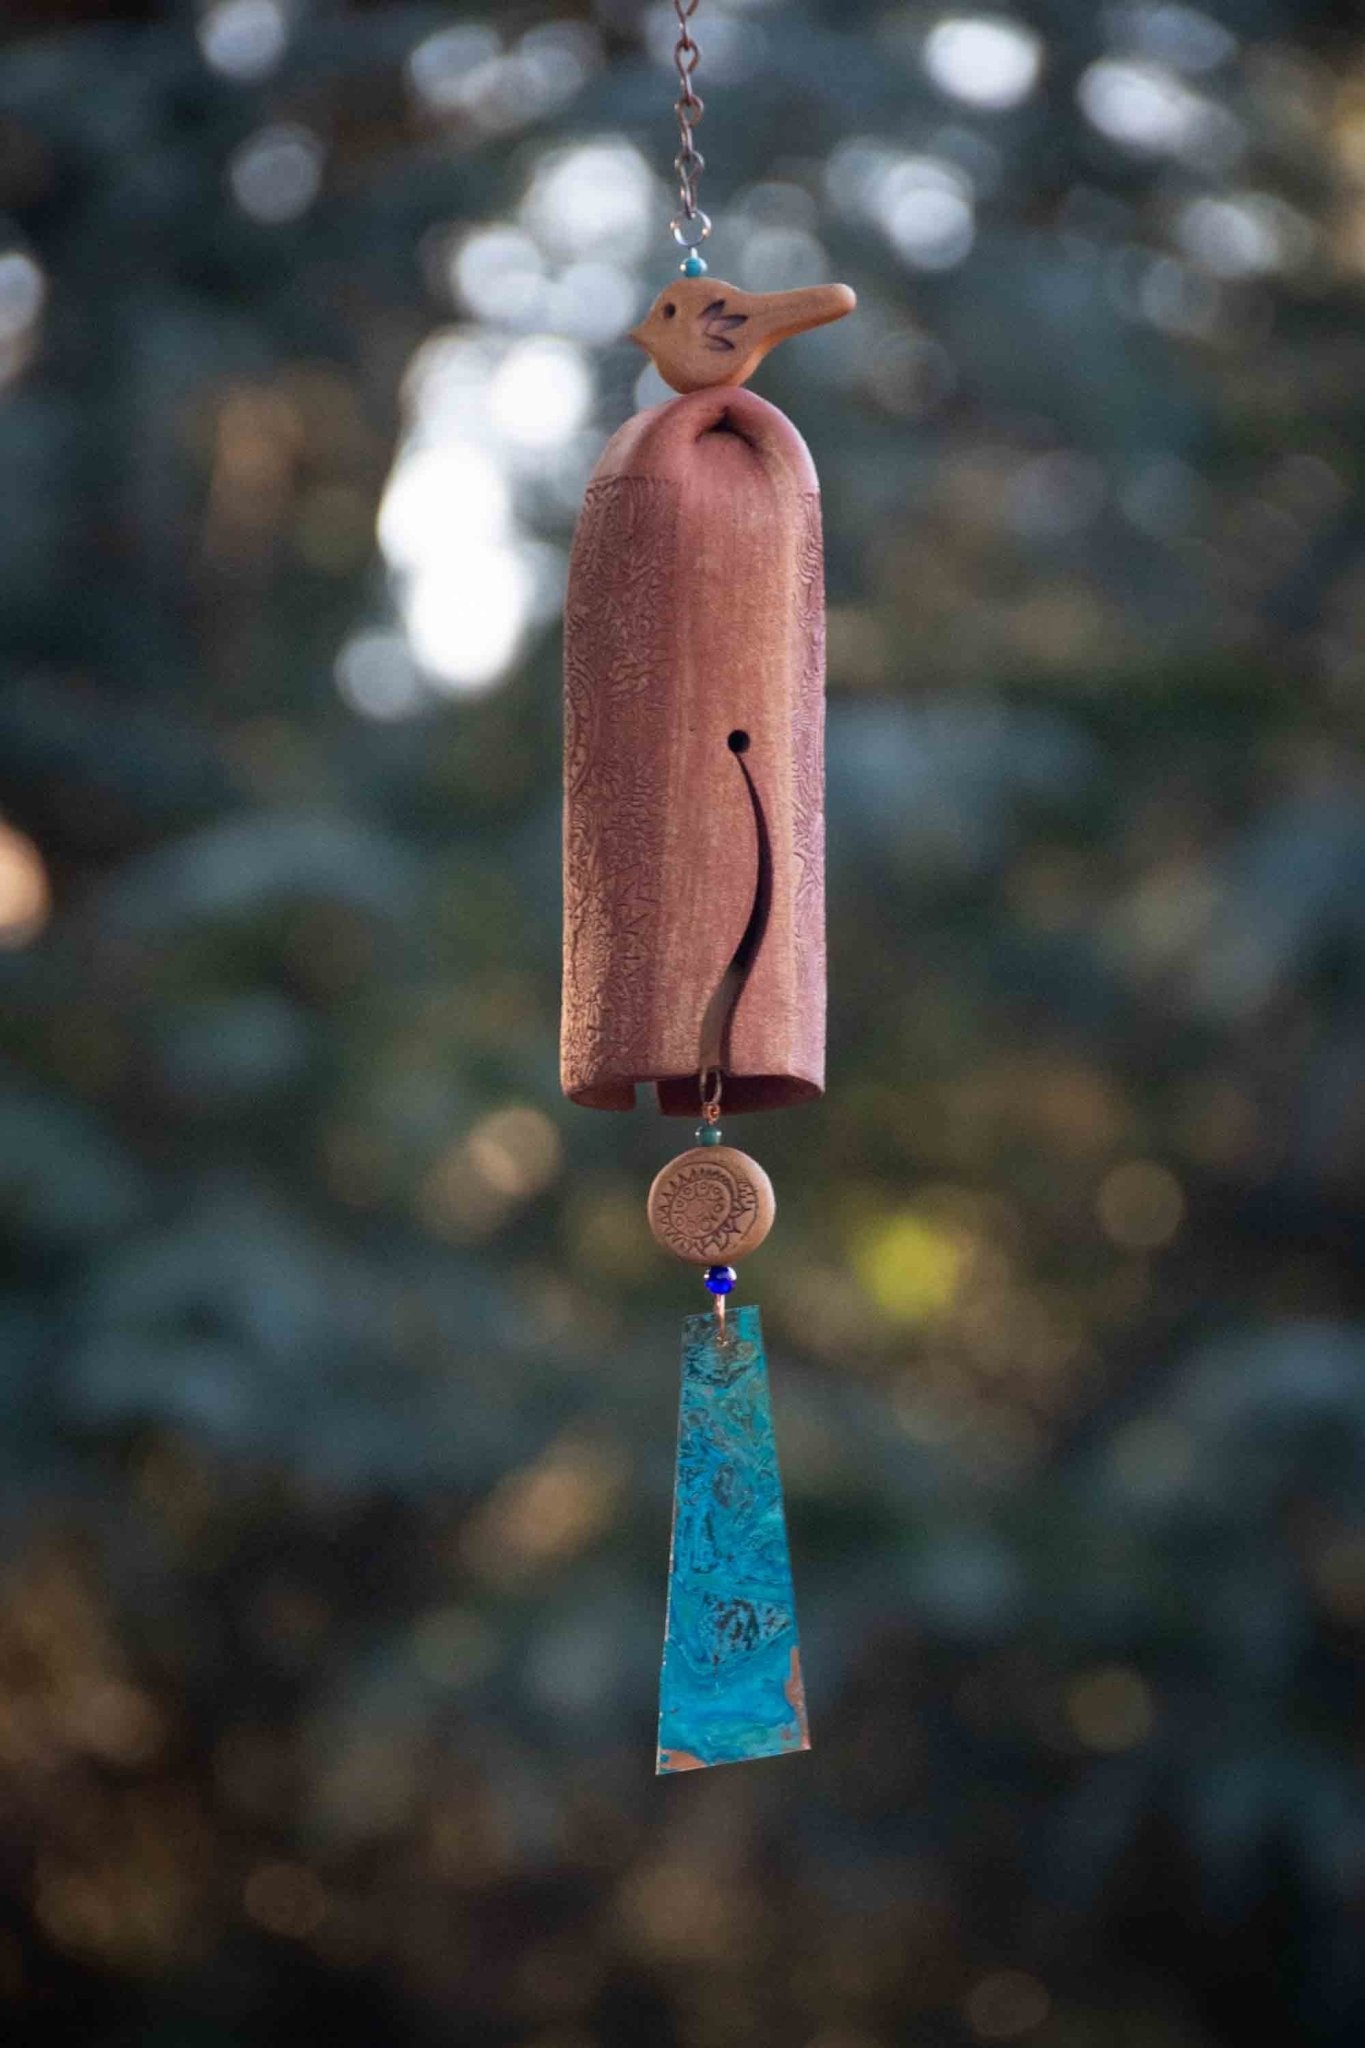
column 678, row 1094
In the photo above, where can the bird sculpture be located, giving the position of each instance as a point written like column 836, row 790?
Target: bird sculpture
column 701, row 332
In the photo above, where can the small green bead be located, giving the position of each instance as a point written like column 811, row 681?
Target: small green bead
column 708, row 1134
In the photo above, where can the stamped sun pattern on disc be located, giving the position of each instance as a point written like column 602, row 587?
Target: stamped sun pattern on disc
column 711, row 1205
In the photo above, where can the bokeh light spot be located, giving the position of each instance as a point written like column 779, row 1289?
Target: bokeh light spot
column 25, row 900
column 447, row 69
column 243, row 39
column 1141, row 1205
column 277, row 173
column 376, row 676
column 1243, row 235
column 778, row 259
column 1173, row 34
column 1006, row 2005
column 465, row 619
column 593, row 198
column 594, row 301
column 1148, row 108
column 469, row 580
column 440, row 500
column 540, row 393
column 22, row 291
column 1110, row 1709
column 109, row 1719
column 546, row 1513
column 988, row 60
column 509, row 1157
column 499, row 274
column 554, row 60
column 924, row 206
column 911, row 1266
column 516, row 1150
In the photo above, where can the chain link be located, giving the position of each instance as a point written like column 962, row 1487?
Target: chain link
column 689, row 107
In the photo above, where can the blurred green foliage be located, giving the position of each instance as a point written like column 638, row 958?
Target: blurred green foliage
column 339, row 1370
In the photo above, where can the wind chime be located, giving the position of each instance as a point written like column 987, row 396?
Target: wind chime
column 694, row 943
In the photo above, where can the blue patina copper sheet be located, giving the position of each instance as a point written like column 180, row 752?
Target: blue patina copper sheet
column 731, row 1684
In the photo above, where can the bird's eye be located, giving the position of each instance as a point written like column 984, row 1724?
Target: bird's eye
column 670, row 310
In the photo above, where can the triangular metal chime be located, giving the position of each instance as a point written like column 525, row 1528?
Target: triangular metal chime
column 731, row 1684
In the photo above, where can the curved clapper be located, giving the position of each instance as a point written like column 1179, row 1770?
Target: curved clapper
column 731, row 1684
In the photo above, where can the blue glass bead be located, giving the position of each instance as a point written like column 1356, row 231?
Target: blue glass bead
column 708, row 1134
column 693, row 265
column 720, row 1279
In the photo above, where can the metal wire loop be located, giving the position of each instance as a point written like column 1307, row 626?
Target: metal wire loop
column 689, row 234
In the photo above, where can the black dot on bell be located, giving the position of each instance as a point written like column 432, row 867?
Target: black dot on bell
column 738, row 742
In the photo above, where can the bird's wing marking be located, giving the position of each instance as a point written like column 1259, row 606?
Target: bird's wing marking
column 715, row 323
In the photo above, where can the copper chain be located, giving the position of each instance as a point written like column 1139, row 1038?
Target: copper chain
column 689, row 107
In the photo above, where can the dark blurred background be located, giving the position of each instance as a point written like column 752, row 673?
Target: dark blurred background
column 338, row 1368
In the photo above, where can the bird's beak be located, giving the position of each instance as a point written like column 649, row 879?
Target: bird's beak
column 778, row 315
column 637, row 335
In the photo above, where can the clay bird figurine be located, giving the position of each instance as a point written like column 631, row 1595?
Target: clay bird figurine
column 701, row 332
